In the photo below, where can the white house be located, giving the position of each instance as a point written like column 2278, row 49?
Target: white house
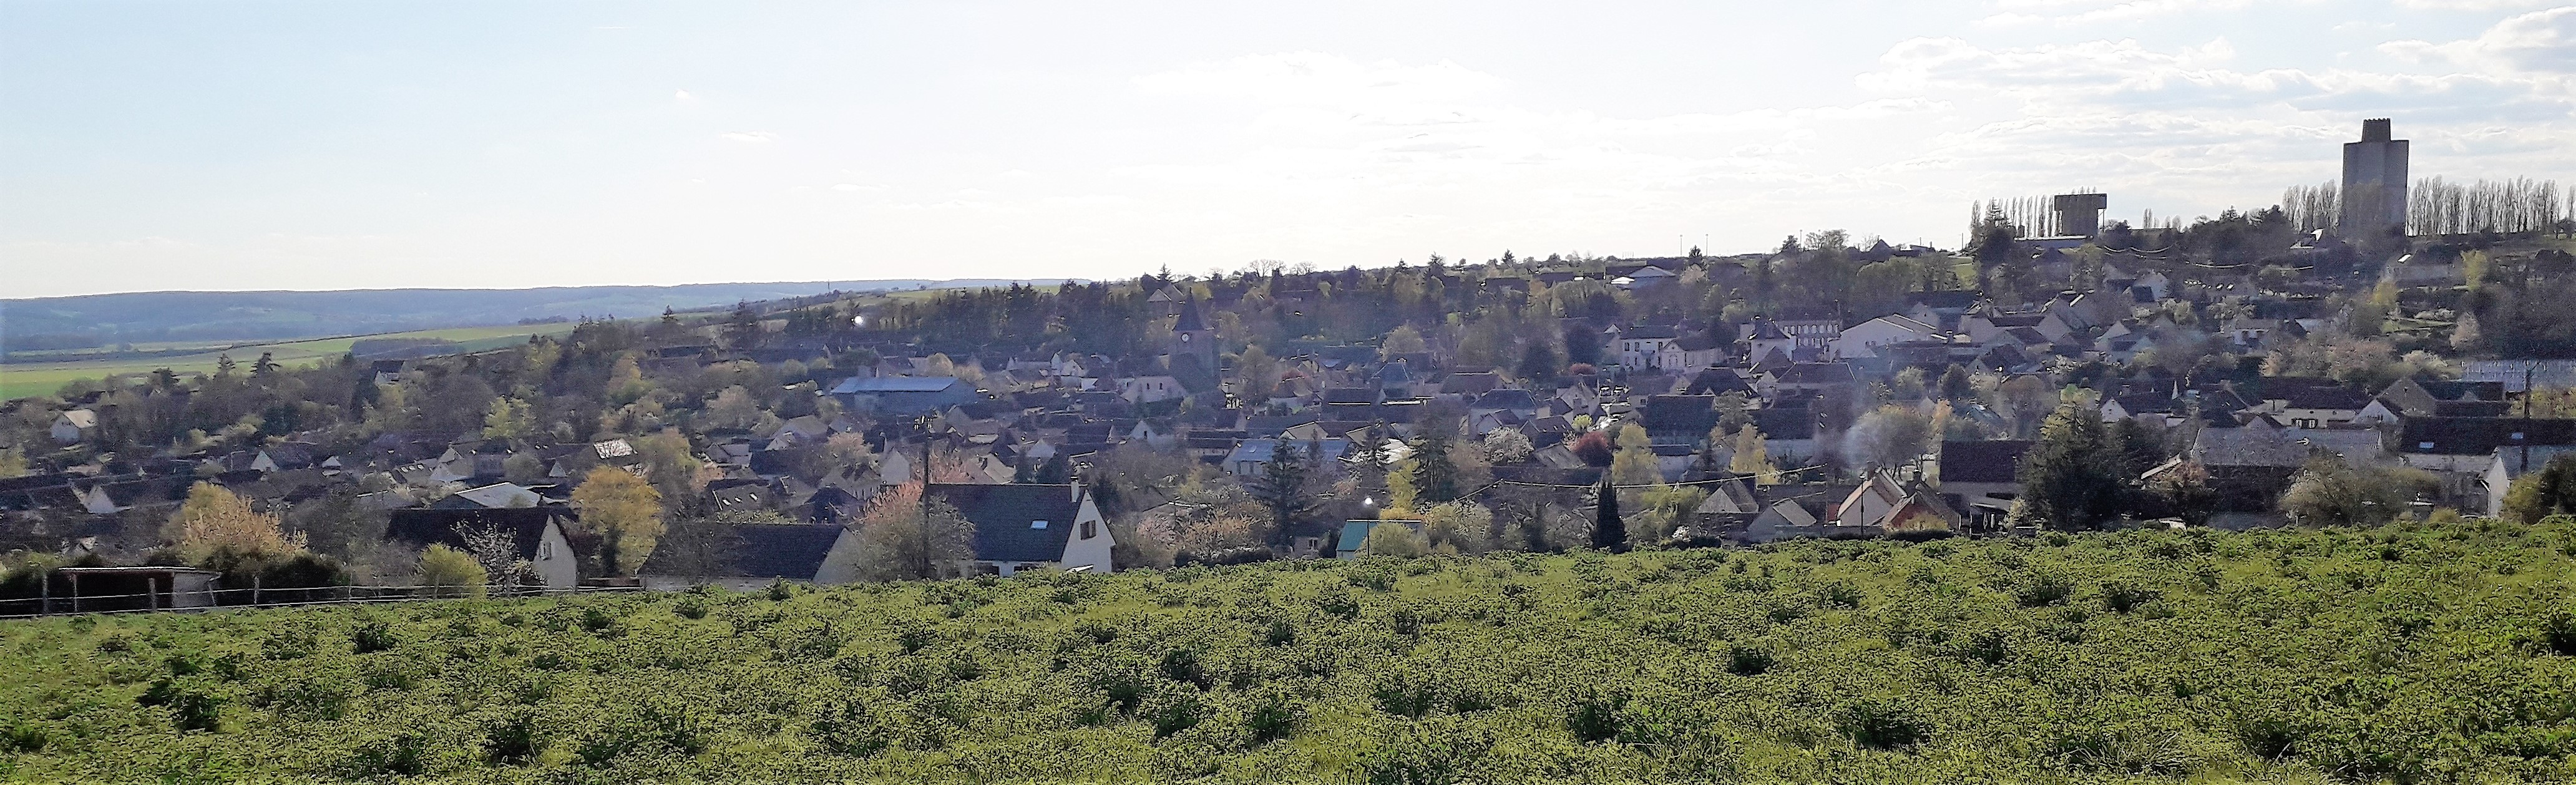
column 72, row 426
column 1642, row 347
column 1808, row 333
column 1765, row 342
column 1691, row 351
column 1151, row 389
column 1989, row 328
column 1864, row 339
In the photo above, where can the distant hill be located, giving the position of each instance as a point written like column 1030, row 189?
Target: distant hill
column 45, row 323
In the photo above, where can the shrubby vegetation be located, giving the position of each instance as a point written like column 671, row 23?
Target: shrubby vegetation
column 2414, row 652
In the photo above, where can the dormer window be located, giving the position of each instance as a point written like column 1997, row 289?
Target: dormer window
column 1037, row 524
column 2423, row 445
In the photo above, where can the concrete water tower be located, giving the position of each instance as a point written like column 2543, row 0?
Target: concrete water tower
column 2080, row 215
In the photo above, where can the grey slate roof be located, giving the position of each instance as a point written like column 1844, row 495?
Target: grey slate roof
column 794, row 552
column 426, row 527
column 1002, row 515
column 1982, row 461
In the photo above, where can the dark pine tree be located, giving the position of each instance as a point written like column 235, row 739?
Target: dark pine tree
column 1435, row 479
column 1609, row 530
column 1582, row 345
column 1539, row 361
column 1282, row 487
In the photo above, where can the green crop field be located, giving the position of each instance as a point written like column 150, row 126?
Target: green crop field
column 2417, row 653
column 18, row 380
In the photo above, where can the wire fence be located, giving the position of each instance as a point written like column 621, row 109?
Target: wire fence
column 211, row 599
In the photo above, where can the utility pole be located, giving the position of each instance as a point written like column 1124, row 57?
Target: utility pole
column 928, row 567
column 2526, row 414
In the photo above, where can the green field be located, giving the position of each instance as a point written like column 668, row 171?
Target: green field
column 19, row 380
column 2411, row 654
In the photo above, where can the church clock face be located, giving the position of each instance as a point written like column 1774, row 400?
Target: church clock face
column 1185, row 337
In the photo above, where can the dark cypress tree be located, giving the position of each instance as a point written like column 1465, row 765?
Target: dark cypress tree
column 1435, row 479
column 1582, row 345
column 1609, row 530
column 1282, row 487
column 1957, row 385
column 1539, row 361
column 744, row 328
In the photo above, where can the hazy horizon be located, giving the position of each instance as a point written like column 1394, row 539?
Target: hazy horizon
column 256, row 146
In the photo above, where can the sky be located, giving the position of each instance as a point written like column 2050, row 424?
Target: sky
column 231, row 145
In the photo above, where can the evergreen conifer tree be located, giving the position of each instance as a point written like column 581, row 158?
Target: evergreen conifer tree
column 1435, row 477
column 1609, row 530
column 2076, row 477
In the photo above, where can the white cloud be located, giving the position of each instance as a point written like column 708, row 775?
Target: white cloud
column 749, row 137
column 2469, row 5
column 2069, row 13
column 682, row 95
column 1324, row 80
column 2537, row 41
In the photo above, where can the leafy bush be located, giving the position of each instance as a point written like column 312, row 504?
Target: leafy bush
column 372, row 635
column 404, row 754
column 1271, row 714
column 2124, row 597
column 2043, row 588
column 193, row 706
column 1743, row 660
column 852, row 727
column 1882, row 725
column 24, row 736
column 514, row 738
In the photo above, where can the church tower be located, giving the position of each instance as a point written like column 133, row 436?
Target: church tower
column 1191, row 337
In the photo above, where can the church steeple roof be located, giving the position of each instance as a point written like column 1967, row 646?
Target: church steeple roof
column 1190, row 320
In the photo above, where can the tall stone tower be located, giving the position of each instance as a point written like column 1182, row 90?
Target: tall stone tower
column 2079, row 215
column 2374, row 182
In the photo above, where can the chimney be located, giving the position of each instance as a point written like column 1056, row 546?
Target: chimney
column 2374, row 130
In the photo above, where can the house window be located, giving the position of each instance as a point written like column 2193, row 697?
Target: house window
column 1037, row 524
column 1090, row 529
column 2423, row 445
column 545, row 550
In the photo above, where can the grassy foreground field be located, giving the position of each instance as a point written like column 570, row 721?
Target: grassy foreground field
column 2405, row 654
column 19, row 380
